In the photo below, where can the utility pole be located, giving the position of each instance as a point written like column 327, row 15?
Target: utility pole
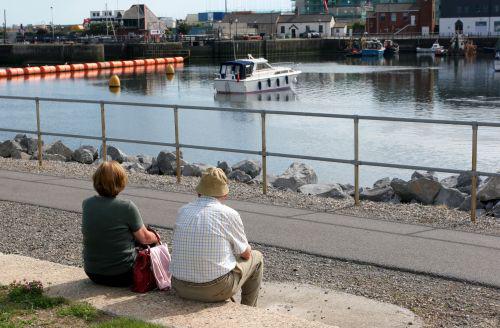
column 106, row 14
column 5, row 26
column 52, row 23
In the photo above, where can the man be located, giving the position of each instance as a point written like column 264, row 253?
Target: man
column 211, row 257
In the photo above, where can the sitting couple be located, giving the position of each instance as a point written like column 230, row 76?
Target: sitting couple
column 211, row 257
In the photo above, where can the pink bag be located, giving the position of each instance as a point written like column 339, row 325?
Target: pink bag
column 160, row 263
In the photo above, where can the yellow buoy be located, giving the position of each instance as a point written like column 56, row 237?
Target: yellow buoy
column 170, row 69
column 170, row 77
column 114, row 82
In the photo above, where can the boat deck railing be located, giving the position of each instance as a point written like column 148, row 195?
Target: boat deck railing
column 175, row 109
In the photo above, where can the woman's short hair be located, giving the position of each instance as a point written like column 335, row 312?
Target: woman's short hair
column 110, row 179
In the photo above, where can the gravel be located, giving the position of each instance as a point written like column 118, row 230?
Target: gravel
column 434, row 216
column 54, row 235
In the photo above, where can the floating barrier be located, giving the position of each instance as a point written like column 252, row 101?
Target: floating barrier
column 47, row 69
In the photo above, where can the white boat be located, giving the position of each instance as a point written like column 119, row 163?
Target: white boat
column 435, row 49
column 253, row 75
column 497, row 61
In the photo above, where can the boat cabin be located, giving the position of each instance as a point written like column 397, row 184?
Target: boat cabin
column 242, row 69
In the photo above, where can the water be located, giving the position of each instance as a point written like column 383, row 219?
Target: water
column 407, row 86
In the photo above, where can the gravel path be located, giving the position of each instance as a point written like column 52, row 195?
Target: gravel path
column 435, row 216
column 54, row 235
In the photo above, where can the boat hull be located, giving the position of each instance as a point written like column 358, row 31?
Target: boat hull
column 255, row 85
column 372, row 52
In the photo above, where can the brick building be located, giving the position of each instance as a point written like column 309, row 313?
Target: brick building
column 413, row 17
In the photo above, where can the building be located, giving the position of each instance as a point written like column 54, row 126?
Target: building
column 411, row 17
column 169, row 22
column 339, row 30
column 292, row 26
column 247, row 23
column 472, row 17
column 106, row 16
column 348, row 11
column 140, row 20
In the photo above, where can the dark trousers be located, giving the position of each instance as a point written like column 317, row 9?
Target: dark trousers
column 120, row 280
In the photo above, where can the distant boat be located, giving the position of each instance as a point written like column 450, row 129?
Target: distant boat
column 353, row 48
column 435, row 47
column 391, row 47
column 373, row 48
column 462, row 46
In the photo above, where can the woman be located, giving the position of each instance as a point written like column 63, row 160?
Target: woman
column 110, row 228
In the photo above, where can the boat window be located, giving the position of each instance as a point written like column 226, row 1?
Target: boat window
column 286, row 79
column 277, row 82
column 269, row 82
column 248, row 70
column 260, row 85
column 223, row 71
column 261, row 66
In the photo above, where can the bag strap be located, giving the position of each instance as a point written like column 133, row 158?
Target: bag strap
column 156, row 234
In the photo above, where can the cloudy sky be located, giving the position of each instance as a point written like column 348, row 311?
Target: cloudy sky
column 74, row 11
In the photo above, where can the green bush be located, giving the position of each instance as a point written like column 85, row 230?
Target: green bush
column 83, row 311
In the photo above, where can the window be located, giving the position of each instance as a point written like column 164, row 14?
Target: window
column 269, row 82
column 394, row 17
column 479, row 24
column 282, row 30
column 405, row 16
column 277, row 82
column 382, row 17
column 320, row 29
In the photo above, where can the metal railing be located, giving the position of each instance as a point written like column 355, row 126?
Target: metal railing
column 356, row 162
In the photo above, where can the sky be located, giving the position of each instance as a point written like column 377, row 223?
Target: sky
column 73, row 11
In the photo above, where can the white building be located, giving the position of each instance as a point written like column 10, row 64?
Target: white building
column 478, row 17
column 169, row 22
column 339, row 29
column 106, row 15
column 292, row 26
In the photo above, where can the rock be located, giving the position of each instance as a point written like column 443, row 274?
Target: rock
column 297, row 175
column 490, row 190
column 29, row 145
column 194, row 170
column 338, row 191
column 133, row 167
column 9, row 148
column 93, row 150
column 240, row 176
column 131, row 159
column 464, row 182
column 450, row 182
column 490, row 205
column 50, row 157
column 167, row 163
column 58, row 148
column 450, row 197
column 19, row 137
column 496, row 210
column 421, row 174
column 424, row 190
column 401, row 188
column 145, row 160
column 480, row 212
column 382, row 183
column 115, row 153
column 258, row 179
column 252, row 168
column 21, row 155
column 224, row 166
column 83, row 155
column 321, row 190
column 377, row 194
column 466, row 204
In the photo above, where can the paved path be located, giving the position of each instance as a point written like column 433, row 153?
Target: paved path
column 460, row 255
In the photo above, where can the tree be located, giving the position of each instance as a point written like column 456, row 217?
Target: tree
column 183, row 28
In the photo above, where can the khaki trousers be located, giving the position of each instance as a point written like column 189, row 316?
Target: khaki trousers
column 247, row 276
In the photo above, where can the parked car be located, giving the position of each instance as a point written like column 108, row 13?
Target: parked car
column 252, row 37
column 310, row 35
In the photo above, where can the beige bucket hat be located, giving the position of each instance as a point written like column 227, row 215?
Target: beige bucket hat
column 213, row 183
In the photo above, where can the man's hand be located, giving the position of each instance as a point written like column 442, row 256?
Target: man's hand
column 247, row 254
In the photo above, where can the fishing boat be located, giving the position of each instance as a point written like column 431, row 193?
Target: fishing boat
column 436, row 49
column 391, row 47
column 253, row 75
column 460, row 45
column 353, row 48
column 373, row 48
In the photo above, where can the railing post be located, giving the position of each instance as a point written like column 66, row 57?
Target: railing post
column 356, row 161
column 177, row 146
column 473, row 194
column 39, row 132
column 103, row 133
column 264, row 153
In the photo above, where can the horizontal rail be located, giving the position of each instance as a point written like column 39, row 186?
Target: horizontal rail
column 259, row 111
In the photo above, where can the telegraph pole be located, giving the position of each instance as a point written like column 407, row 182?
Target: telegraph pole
column 52, row 23
column 5, row 26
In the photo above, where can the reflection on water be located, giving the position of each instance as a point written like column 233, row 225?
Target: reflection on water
column 405, row 86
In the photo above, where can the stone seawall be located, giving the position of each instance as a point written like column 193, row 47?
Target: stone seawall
column 24, row 54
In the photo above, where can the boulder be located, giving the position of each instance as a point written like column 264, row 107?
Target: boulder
column 93, row 150
column 224, row 166
column 382, row 183
column 9, row 148
column 297, row 175
column 424, row 174
column 424, row 190
column 240, row 176
column 384, row 194
column 21, row 155
column 450, row 182
column 166, row 162
column 133, row 167
column 252, row 168
column 450, row 197
column 322, row 190
column 338, row 191
column 145, row 160
column 131, row 159
column 194, row 170
column 115, row 153
column 19, row 137
column 58, row 148
column 466, row 204
column 258, row 179
column 83, row 155
column 401, row 188
column 29, row 145
column 490, row 190
column 496, row 210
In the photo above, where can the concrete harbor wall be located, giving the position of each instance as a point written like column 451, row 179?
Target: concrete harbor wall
column 24, row 54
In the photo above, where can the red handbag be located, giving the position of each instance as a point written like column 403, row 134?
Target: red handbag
column 144, row 279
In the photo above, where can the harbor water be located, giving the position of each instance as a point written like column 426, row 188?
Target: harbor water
column 405, row 86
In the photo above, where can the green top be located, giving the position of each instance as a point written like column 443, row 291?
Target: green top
column 108, row 242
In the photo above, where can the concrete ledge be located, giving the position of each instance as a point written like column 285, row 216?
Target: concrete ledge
column 280, row 304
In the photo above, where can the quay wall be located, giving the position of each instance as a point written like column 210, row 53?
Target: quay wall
column 24, row 54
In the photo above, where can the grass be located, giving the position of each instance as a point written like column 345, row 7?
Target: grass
column 24, row 304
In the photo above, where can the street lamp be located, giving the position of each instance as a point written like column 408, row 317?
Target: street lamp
column 52, row 22
column 236, row 21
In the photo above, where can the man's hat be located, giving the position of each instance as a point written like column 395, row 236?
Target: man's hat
column 213, row 183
